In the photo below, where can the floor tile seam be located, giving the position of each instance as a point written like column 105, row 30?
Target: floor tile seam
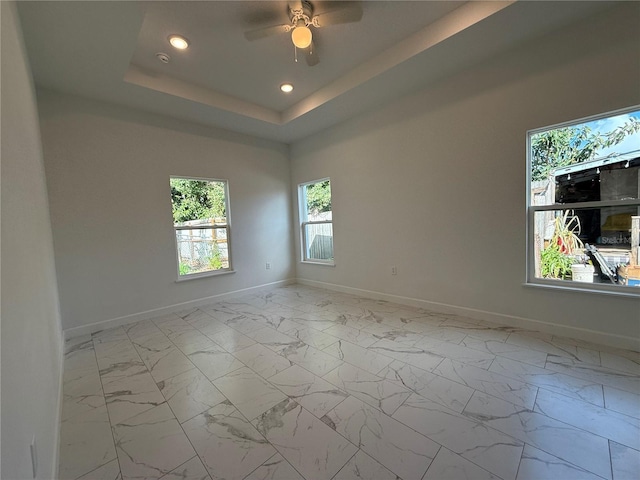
column 209, row 338
column 200, row 371
column 507, row 379
column 200, row 413
column 424, row 475
column 350, row 458
column 628, row 355
column 467, row 404
column 504, row 356
column 541, row 447
column 610, row 459
column 601, row 435
column 432, row 373
column 195, row 451
column 569, row 355
column 255, row 371
column 555, row 455
column 636, row 450
column 388, row 416
column 563, row 345
column 378, row 407
column 292, row 466
column 183, row 463
column 604, row 407
column 321, row 377
column 113, row 438
column 358, row 447
column 100, row 466
column 439, row 343
column 317, row 348
column 586, row 364
column 224, row 351
column 356, row 345
column 530, row 347
column 267, row 460
column 182, row 373
column 474, row 463
column 607, row 371
column 489, row 366
column 551, row 373
column 598, row 382
column 622, row 413
column 627, row 371
column 173, row 346
column 464, row 417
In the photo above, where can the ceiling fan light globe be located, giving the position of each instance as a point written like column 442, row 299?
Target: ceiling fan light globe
column 301, row 37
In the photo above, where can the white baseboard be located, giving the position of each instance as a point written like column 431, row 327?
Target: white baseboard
column 56, row 445
column 588, row 335
column 156, row 312
column 594, row 336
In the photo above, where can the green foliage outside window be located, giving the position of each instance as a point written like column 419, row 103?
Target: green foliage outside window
column 318, row 197
column 554, row 263
column 570, row 145
column 196, row 199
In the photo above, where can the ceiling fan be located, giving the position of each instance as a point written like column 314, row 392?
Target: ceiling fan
column 301, row 21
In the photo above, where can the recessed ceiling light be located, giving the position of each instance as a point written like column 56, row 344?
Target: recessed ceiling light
column 286, row 87
column 179, row 42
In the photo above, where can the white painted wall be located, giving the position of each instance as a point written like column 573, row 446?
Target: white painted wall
column 435, row 183
column 31, row 333
column 108, row 172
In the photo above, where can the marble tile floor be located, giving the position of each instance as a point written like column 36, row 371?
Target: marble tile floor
column 304, row 383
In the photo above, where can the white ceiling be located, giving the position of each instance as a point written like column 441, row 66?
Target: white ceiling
column 107, row 50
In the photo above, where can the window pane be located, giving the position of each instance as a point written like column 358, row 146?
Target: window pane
column 319, row 241
column 591, row 161
column 202, row 250
column 561, row 238
column 200, row 205
column 317, row 201
column 197, row 202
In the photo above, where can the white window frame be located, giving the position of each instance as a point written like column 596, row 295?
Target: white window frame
column 227, row 227
column 302, row 209
column 531, row 279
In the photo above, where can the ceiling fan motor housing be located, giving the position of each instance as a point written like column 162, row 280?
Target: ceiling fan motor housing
column 304, row 14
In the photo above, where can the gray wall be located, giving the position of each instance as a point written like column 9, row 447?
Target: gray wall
column 108, row 172
column 435, row 183
column 31, row 334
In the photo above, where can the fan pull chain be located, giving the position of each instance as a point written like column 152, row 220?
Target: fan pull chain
column 295, row 54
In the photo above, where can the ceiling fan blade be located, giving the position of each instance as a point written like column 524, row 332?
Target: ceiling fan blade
column 295, row 5
column 311, row 55
column 260, row 33
column 351, row 12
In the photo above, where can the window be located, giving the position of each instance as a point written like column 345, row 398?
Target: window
column 584, row 203
column 201, row 223
column 316, row 221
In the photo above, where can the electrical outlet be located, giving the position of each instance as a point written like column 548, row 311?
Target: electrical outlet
column 394, row 271
column 268, row 266
column 34, row 456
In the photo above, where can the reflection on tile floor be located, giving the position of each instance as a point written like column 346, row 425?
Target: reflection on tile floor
column 304, row 383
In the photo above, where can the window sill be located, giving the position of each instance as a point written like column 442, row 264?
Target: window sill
column 325, row 264
column 601, row 289
column 195, row 276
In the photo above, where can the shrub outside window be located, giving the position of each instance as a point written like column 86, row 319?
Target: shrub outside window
column 584, row 203
column 200, row 210
column 316, row 221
